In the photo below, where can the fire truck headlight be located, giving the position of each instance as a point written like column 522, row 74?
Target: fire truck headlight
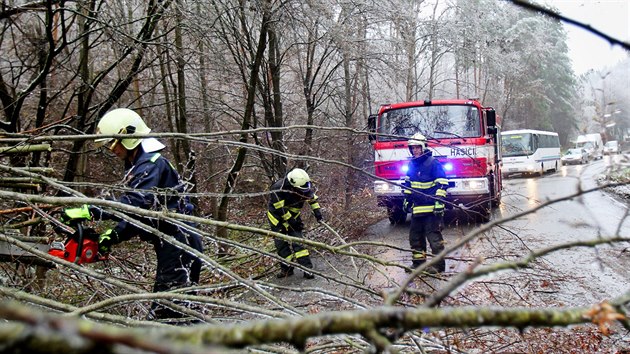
column 382, row 187
column 474, row 185
column 478, row 184
column 448, row 167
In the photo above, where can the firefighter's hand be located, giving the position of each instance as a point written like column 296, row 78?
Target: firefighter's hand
column 295, row 225
column 318, row 215
column 105, row 241
column 406, row 207
column 73, row 215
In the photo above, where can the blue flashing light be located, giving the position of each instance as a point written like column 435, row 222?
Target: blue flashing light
column 405, row 168
column 448, row 167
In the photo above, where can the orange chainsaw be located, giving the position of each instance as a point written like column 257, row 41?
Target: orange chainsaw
column 80, row 247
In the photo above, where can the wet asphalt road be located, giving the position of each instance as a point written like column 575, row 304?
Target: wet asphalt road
column 590, row 274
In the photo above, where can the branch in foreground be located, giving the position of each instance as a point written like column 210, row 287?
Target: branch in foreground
column 65, row 332
column 534, row 7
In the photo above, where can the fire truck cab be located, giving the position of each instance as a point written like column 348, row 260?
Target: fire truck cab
column 463, row 135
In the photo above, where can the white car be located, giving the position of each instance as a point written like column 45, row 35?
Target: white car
column 611, row 147
column 575, row 156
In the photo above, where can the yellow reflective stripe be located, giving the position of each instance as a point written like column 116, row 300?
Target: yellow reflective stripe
column 302, row 253
column 272, row 219
column 279, row 204
column 286, row 216
column 155, row 157
column 423, row 209
column 419, row 255
column 439, row 205
column 440, row 193
column 289, row 257
column 407, row 191
column 294, row 209
column 315, row 206
column 422, row 185
column 441, row 181
column 82, row 212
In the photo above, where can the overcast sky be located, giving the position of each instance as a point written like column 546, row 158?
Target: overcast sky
column 588, row 51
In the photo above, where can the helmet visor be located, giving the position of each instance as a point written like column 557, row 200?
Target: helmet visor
column 102, row 142
column 109, row 143
column 304, row 188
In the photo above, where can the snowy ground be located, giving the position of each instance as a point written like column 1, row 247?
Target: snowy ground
column 619, row 173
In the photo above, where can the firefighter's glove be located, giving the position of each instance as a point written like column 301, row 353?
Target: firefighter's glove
column 406, row 207
column 438, row 209
column 295, row 225
column 106, row 240
column 318, row 215
column 75, row 215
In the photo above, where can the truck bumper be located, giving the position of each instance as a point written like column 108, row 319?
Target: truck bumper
column 469, row 192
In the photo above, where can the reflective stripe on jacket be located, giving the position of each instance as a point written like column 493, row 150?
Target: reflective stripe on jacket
column 285, row 204
column 426, row 185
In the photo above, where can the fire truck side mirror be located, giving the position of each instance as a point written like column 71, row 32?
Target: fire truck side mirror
column 372, row 127
column 491, row 120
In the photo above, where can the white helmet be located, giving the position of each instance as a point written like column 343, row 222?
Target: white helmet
column 121, row 121
column 298, row 178
column 417, row 140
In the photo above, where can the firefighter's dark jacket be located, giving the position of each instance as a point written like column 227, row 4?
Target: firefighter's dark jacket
column 285, row 206
column 426, row 186
column 156, row 186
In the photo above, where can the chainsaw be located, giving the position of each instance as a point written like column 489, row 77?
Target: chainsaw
column 80, row 247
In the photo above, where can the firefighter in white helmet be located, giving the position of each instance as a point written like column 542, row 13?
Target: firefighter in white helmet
column 285, row 205
column 147, row 173
column 425, row 192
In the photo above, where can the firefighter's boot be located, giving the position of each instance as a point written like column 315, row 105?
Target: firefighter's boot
column 309, row 275
column 284, row 272
column 419, row 257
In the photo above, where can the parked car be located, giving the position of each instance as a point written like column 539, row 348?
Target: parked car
column 575, row 156
column 611, row 147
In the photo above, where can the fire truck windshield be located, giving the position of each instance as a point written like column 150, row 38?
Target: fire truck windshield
column 439, row 121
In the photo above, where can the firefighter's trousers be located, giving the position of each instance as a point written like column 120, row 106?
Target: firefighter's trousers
column 176, row 268
column 426, row 228
column 292, row 251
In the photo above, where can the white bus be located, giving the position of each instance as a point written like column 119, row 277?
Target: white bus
column 528, row 151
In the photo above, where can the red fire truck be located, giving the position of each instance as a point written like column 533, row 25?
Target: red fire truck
column 462, row 134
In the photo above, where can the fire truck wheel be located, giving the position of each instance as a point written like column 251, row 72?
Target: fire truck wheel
column 495, row 196
column 485, row 214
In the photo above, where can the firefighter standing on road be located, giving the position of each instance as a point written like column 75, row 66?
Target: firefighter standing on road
column 285, row 205
column 424, row 198
column 147, row 170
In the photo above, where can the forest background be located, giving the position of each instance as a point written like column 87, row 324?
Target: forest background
column 243, row 91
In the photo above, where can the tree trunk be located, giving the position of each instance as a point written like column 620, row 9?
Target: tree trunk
column 279, row 167
column 230, row 184
column 208, row 121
